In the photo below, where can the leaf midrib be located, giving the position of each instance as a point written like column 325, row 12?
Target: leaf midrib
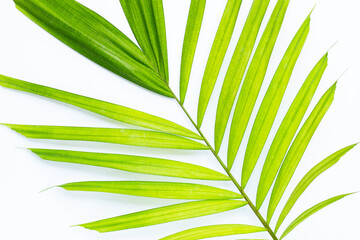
column 228, row 173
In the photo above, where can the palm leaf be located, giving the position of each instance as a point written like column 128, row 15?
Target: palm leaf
column 214, row 231
column 237, row 67
column 108, row 135
column 91, row 35
column 147, row 65
column 110, row 110
column 308, row 179
column 298, row 148
column 193, row 26
column 170, row 190
column 137, row 164
column 164, row 214
column 217, row 54
column 287, row 130
column 271, row 102
column 146, row 19
column 253, row 80
column 310, row 212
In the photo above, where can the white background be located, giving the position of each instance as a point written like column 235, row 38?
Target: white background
column 28, row 52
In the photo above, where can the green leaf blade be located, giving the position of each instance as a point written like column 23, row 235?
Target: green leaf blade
column 92, row 36
column 132, row 137
column 310, row 212
column 214, row 231
column 237, row 67
column 287, row 130
column 298, row 148
column 164, row 214
column 253, row 81
column 270, row 105
column 308, row 179
column 146, row 19
column 137, row 164
column 217, row 54
column 110, row 110
column 192, row 32
column 169, row 190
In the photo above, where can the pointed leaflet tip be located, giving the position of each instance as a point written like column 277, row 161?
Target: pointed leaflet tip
column 312, row 10
column 306, row 181
column 49, row 188
column 302, row 217
column 341, row 75
column 333, row 45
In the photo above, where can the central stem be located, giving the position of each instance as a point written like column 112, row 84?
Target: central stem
column 227, row 170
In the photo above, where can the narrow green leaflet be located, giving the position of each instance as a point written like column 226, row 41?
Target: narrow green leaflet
column 253, row 80
column 287, row 130
column 171, row 190
column 214, row 231
column 110, row 110
column 310, row 212
column 146, row 19
column 217, row 54
column 193, row 26
column 298, row 148
column 164, row 214
column 270, row 105
column 308, row 179
column 236, row 70
column 137, row 164
column 94, row 37
column 109, row 135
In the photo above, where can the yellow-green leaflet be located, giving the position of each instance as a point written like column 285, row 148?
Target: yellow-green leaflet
column 308, row 179
column 109, row 135
column 237, row 67
column 214, row 231
column 253, row 80
column 217, row 54
column 146, row 19
column 298, row 148
column 171, row 190
column 193, row 26
column 270, row 105
column 164, row 214
column 110, row 110
column 94, row 37
column 310, row 212
column 287, row 130
column 138, row 164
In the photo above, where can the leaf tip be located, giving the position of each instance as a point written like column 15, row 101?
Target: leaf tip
column 341, row 75
column 49, row 188
column 332, row 46
column 312, row 10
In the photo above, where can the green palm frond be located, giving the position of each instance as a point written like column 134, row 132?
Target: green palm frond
column 287, row 130
column 310, row 212
column 298, row 148
column 214, row 231
column 253, row 81
column 91, row 35
column 217, row 54
column 131, row 163
column 164, row 214
column 202, row 191
column 237, row 68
